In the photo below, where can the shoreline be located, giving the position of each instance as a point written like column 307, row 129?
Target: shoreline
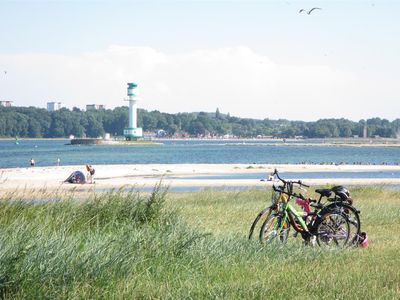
column 177, row 175
column 314, row 142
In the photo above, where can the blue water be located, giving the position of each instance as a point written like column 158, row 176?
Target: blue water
column 295, row 175
column 46, row 152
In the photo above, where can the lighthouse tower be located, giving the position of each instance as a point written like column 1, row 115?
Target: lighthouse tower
column 132, row 132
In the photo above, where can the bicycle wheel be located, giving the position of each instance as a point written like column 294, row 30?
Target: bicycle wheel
column 353, row 217
column 272, row 228
column 333, row 230
column 264, row 213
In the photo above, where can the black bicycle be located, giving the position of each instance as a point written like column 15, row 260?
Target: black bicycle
column 339, row 200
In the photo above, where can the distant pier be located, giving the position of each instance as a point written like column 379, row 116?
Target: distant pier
column 92, row 141
column 87, row 141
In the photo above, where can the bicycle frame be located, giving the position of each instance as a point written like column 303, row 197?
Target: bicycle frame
column 291, row 214
column 298, row 216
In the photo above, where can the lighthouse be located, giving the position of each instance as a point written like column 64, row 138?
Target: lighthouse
column 132, row 132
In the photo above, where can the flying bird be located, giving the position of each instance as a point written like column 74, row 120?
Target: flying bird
column 314, row 8
column 310, row 11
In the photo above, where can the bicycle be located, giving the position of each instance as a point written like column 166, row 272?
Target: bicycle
column 328, row 228
column 342, row 203
column 265, row 213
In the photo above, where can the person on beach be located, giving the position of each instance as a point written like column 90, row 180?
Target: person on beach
column 90, row 174
column 58, row 161
column 32, row 162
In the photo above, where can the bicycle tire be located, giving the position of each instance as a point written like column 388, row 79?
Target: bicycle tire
column 352, row 214
column 260, row 215
column 270, row 230
column 332, row 230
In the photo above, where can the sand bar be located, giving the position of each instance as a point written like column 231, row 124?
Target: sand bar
column 147, row 175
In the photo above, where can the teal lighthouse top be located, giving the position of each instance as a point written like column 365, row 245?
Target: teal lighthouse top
column 131, row 87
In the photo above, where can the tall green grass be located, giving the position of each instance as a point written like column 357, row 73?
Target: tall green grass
column 129, row 245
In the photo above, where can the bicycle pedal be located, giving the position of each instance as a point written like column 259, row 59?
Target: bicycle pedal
column 295, row 234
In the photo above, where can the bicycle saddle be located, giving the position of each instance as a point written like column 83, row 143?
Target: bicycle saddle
column 324, row 192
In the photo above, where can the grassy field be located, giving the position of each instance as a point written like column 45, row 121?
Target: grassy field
column 189, row 245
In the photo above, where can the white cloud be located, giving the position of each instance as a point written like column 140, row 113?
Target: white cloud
column 237, row 80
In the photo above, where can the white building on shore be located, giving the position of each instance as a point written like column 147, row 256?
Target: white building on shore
column 53, row 106
column 95, row 106
column 6, row 103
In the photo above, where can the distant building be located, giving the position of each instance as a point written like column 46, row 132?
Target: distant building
column 6, row 103
column 95, row 107
column 53, row 106
column 365, row 131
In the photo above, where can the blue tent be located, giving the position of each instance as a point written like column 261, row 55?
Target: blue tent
column 76, row 177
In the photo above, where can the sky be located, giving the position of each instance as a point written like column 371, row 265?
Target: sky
column 256, row 59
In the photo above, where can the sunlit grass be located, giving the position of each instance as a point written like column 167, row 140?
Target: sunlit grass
column 190, row 245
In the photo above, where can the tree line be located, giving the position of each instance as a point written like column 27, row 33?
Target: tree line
column 35, row 122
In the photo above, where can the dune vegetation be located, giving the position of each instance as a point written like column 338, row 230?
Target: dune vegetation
column 185, row 245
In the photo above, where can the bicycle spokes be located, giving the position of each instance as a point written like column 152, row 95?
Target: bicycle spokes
column 333, row 231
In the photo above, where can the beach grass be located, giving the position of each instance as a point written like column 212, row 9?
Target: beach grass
column 125, row 245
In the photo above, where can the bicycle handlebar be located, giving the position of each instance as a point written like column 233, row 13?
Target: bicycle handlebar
column 281, row 190
column 299, row 182
column 300, row 195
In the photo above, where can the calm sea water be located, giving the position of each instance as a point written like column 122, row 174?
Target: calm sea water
column 296, row 175
column 46, row 152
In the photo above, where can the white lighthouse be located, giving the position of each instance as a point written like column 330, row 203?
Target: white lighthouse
column 132, row 132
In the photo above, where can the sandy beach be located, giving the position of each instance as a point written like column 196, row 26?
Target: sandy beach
column 176, row 175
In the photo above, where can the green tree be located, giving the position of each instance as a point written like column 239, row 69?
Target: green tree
column 94, row 128
column 34, row 129
column 217, row 114
column 197, row 128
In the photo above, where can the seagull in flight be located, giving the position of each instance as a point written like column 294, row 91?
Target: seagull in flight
column 310, row 11
column 314, row 8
